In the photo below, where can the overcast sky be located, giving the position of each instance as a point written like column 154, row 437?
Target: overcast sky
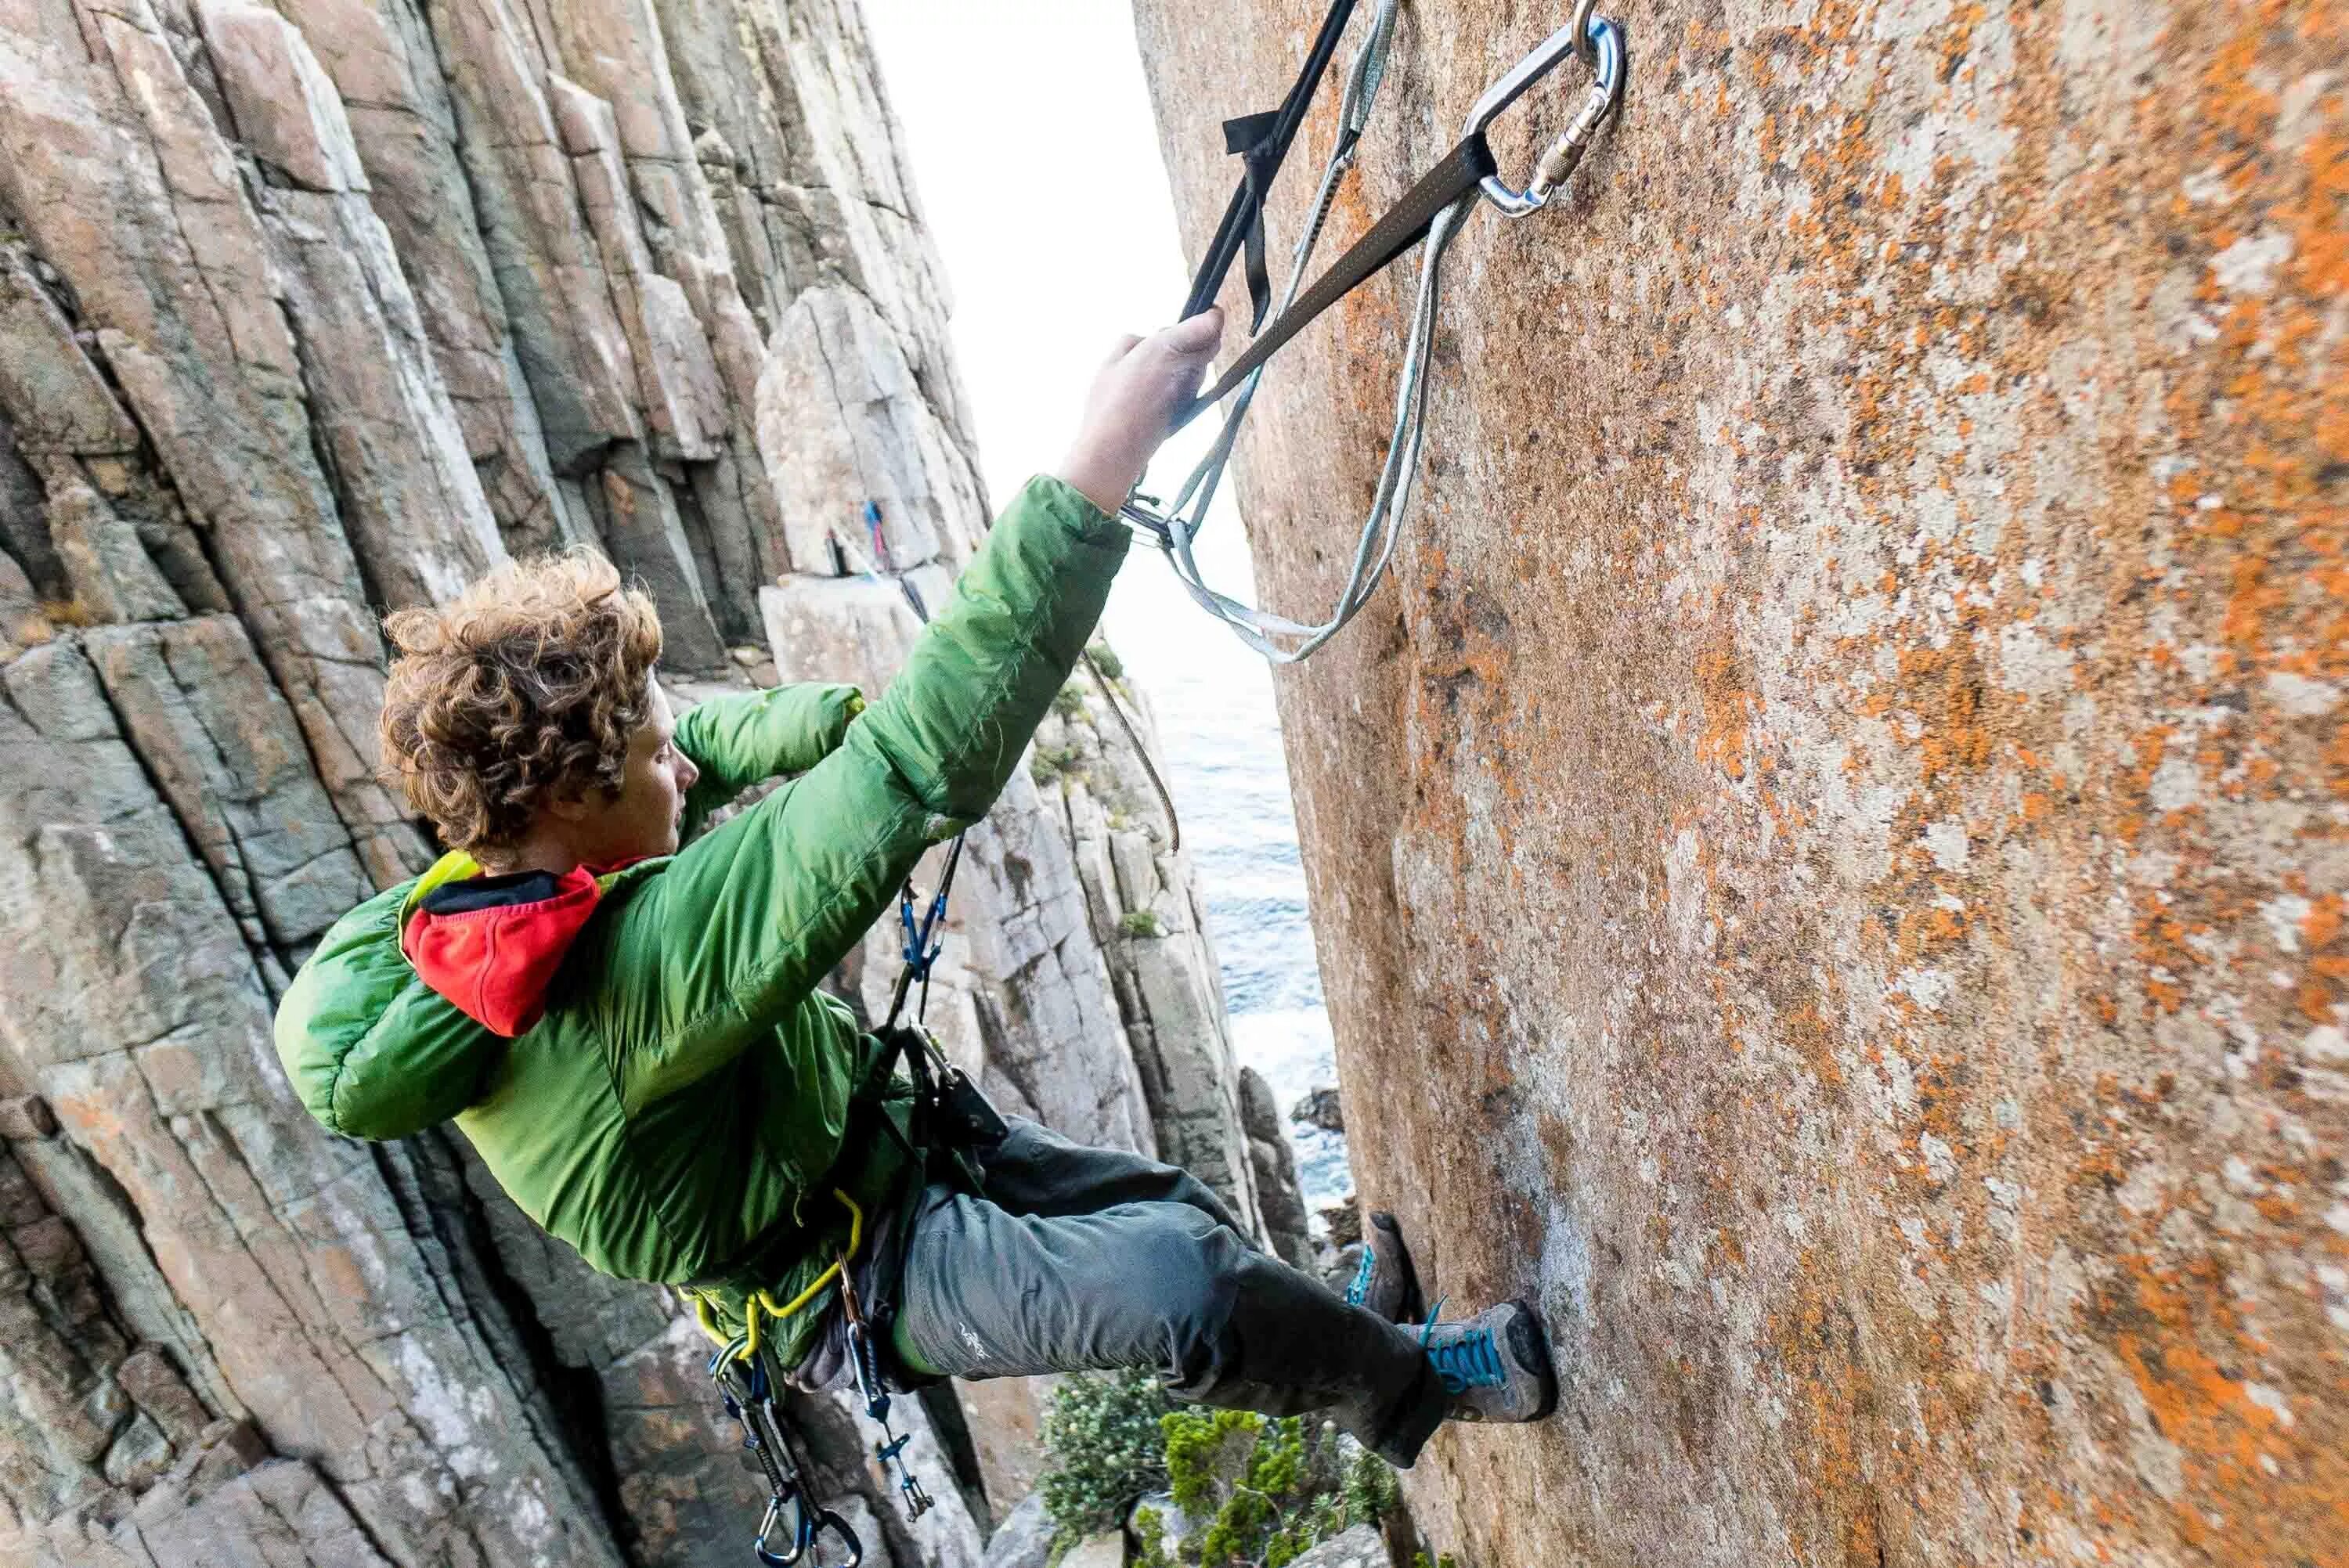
column 1037, row 164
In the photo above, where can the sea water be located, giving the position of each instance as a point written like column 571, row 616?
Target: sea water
column 1219, row 739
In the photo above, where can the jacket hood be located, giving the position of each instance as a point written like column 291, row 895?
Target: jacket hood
column 492, row 944
column 381, row 1045
column 373, row 1051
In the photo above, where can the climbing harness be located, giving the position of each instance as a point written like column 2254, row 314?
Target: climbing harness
column 746, row 1387
column 949, row 1113
column 741, row 1367
column 1428, row 216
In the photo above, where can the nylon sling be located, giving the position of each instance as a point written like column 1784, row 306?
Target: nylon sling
column 1262, row 142
column 1404, row 224
column 1429, row 215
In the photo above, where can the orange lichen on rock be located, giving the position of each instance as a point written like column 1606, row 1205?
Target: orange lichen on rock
column 1840, row 839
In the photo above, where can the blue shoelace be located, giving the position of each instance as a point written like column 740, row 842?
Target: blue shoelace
column 1359, row 1291
column 1470, row 1360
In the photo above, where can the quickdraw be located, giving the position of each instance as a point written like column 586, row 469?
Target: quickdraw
column 749, row 1394
column 1429, row 215
column 923, row 939
column 746, row 1385
column 865, row 1362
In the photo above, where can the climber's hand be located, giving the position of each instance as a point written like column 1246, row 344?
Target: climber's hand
column 1144, row 383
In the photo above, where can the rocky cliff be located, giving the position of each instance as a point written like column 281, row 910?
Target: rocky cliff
column 1828, row 856
column 312, row 312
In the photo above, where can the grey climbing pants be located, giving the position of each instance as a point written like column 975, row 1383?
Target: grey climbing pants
column 1090, row 1259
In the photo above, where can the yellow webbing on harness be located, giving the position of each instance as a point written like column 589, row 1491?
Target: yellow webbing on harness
column 759, row 1303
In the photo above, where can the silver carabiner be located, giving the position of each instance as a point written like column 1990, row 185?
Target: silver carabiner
column 1583, row 47
column 1598, row 42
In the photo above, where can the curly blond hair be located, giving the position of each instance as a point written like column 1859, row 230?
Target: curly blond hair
column 526, row 685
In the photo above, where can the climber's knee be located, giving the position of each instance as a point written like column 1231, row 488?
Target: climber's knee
column 1193, row 1283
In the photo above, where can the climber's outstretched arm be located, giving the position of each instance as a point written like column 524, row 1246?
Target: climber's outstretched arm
column 711, row 953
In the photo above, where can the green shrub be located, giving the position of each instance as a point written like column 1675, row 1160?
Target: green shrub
column 1103, row 1448
column 1151, row 1525
column 1106, row 659
column 1263, row 1493
column 1052, row 763
column 1069, row 702
column 1201, row 1450
column 1140, row 922
column 1255, row 1493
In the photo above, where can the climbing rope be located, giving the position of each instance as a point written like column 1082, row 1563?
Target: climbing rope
column 1133, row 733
column 1429, row 214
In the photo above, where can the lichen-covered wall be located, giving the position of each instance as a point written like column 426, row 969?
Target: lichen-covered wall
column 1829, row 857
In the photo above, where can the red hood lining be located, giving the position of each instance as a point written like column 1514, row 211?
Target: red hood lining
column 492, row 944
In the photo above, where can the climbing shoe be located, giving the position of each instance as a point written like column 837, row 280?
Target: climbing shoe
column 1383, row 1280
column 1496, row 1366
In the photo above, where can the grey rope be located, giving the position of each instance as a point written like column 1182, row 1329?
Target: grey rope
column 865, row 566
column 1117, row 711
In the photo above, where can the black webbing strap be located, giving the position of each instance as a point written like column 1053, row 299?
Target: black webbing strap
column 1262, row 142
column 1404, row 226
column 766, row 1257
column 1249, row 137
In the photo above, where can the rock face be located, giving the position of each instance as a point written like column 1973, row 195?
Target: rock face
column 313, row 310
column 1829, row 854
column 1361, row 1547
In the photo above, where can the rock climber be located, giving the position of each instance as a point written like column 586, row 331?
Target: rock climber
column 632, row 1036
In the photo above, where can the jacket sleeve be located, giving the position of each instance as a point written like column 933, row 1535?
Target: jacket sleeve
column 715, row 950
column 373, row 1051
column 740, row 740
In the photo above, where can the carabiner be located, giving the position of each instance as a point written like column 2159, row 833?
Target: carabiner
column 1599, row 41
column 807, row 1537
column 1583, row 45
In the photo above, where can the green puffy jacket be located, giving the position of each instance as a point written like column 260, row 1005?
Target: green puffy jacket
column 688, row 1088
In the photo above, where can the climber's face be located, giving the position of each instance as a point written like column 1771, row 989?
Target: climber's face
column 603, row 826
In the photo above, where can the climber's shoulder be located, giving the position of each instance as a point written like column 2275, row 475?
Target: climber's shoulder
column 372, row 1050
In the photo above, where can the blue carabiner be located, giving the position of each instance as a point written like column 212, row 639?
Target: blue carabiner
column 924, row 941
column 807, row 1536
column 910, row 949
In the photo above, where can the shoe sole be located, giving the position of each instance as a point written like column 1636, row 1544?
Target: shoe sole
column 1538, row 1333
column 1389, row 1228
